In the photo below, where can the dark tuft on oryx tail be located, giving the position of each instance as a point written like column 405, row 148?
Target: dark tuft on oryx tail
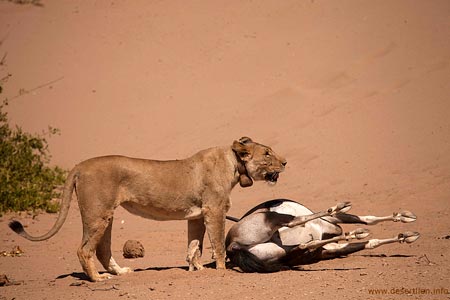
column 17, row 227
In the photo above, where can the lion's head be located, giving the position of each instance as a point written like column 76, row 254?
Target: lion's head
column 257, row 162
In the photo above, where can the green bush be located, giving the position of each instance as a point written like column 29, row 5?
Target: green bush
column 26, row 180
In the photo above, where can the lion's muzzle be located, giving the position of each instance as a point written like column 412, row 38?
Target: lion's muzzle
column 272, row 176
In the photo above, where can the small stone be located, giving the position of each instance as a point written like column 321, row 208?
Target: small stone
column 133, row 249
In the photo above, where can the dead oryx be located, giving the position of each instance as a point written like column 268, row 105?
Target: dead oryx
column 281, row 233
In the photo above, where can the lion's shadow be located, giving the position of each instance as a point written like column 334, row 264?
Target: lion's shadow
column 212, row 265
column 84, row 277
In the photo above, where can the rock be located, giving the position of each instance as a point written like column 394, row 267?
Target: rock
column 133, row 249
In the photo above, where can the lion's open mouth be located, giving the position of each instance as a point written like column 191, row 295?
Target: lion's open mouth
column 271, row 177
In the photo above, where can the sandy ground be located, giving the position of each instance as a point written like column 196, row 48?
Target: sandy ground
column 355, row 94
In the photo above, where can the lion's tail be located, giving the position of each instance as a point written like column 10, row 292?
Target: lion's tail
column 69, row 186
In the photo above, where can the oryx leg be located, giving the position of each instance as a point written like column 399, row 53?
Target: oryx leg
column 332, row 211
column 358, row 234
column 334, row 250
column 403, row 216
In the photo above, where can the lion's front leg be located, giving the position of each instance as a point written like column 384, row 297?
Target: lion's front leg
column 215, row 226
column 196, row 232
column 193, row 256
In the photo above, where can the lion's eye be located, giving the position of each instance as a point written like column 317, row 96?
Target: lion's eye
column 267, row 154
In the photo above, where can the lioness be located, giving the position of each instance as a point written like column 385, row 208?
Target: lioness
column 196, row 189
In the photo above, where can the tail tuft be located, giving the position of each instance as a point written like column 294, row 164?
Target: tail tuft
column 17, row 227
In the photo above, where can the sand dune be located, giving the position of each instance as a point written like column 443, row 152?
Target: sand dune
column 355, row 94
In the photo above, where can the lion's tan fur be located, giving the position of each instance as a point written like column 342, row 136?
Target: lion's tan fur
column 196, row 189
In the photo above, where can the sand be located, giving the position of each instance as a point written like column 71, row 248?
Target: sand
column 355, row 94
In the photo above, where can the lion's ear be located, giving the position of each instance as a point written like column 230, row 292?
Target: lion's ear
column 245, row 140
column 242, row 150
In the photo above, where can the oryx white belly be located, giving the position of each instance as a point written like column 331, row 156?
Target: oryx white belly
column 267, row 251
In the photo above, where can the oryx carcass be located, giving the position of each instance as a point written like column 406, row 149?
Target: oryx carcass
column 282, row 233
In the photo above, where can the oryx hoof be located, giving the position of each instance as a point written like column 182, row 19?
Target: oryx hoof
column 408, row 237
column 405, row 217
column 341, row 207
column 359, row 234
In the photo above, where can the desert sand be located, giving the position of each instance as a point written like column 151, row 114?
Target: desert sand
column 355, row 94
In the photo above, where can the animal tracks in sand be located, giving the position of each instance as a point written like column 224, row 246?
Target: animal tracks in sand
column 383, row 51
column 364, row 81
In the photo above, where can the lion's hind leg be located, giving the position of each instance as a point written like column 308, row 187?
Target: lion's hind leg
column 97, row 241
column 104, row 254
column 92, row 234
